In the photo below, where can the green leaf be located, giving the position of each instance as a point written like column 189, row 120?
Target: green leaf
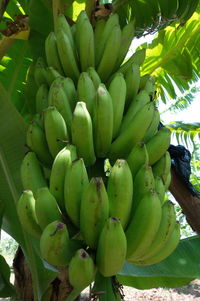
column 2, row 208
column 6, row 288
column 181, row 267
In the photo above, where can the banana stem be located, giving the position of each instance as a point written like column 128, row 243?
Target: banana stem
column 74, row 294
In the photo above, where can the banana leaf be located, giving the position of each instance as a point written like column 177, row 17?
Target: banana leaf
column 6, row 288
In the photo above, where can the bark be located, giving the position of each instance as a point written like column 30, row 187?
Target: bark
column 189, row 203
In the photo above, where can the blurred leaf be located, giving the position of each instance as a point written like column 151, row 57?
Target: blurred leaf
column 6, row 288
column 181, row 267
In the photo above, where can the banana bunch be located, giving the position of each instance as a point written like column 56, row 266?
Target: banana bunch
column 92, row 106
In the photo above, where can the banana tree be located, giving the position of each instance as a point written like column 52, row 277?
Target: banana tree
column 172, row 59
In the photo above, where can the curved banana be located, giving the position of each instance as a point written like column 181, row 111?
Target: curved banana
column 111, row 249
column 55, row 130
column 41, row 98
column 61, row 162
column 162, row 167
column 51, row 52
column 122, row 145
column 26, row 213
column 150, row 87
column 68, row 87
column 40, row 72
column 82, row 133
column 138, row 58
column 31, row 173
column 132, row 78
column 160, row 188
column 94, row 211
column 94, row 76
column 86, row 91
column 103, row 121
column 158, row 145
column 120, row 191
column 143, row 226
column 51, row 75
column 117, row 90
column 76, row 181
column 110, row 54
column 36, row 141
column 46, row 208
column 81, row 269
column 153, row 128
column 137, row 157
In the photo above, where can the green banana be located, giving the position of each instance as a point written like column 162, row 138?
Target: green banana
column 111, row 249
column 41, row 98
column 120, row 191
column 94, row 211
column 26, row 213
column 160, row 188
column 143, row 226
column 76, row 181
column 158, row 145
column 138, row 57
column 31, row 173
column 55, row 130
column 68, row 87
column 103, row 121
column 167, row 249
column 162, row 167
column 167, row 181
column 117, row 90
column 132, row 78
column 122, row 145
column 51, row 75
column 51, row 51
column 110, row 54
column 81, row 269
column 85, row 42
column 40, row 72
column 82, row 133
column 143, row 80
column 67, row 55
column 98, row 34
column 86, row 91
column 59, row 98
column 141, row 99
column 57, row 177
column 36, row 141
column 46, row 208
column 94, row 77
column 153, row 128
column 128, row 32
column 150, row 87
column 55, row 246
column 102, row 35
column 137, row 157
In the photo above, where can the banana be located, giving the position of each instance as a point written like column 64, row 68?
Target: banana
column 51, row 75
column 103, row 121
column 117, row 90
column 143, row 80
column 36, row 141
column 138, row 102
column 167, row 181
column 160, row 188
column 55, row 245
column 111, row 249
column 41, row 98
column 76, row 181
column 46, row 208
column 137, row 157
column 81, row 269
column 59, row 98
column 68, row 86
column 167, row 249
column 122, row 145
column 94, row 211
column 57, row 177
column 51, row 52
column 158, row 145
column 132, row 78
column 153, row 128
column 143, row 226
column 26, row 213
column 138, row 58
column 120, row 191
column 110, row 54
column 150, row 87
column 166, row 227
column 31, row 173
column 128, row 32
column 55, row 130
column 67, row 55
column 94, row 77
column 82, row 133
column 40, row 72
column 86, row 91
column 102, row 34
column 162, row 167
column 85, row 42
